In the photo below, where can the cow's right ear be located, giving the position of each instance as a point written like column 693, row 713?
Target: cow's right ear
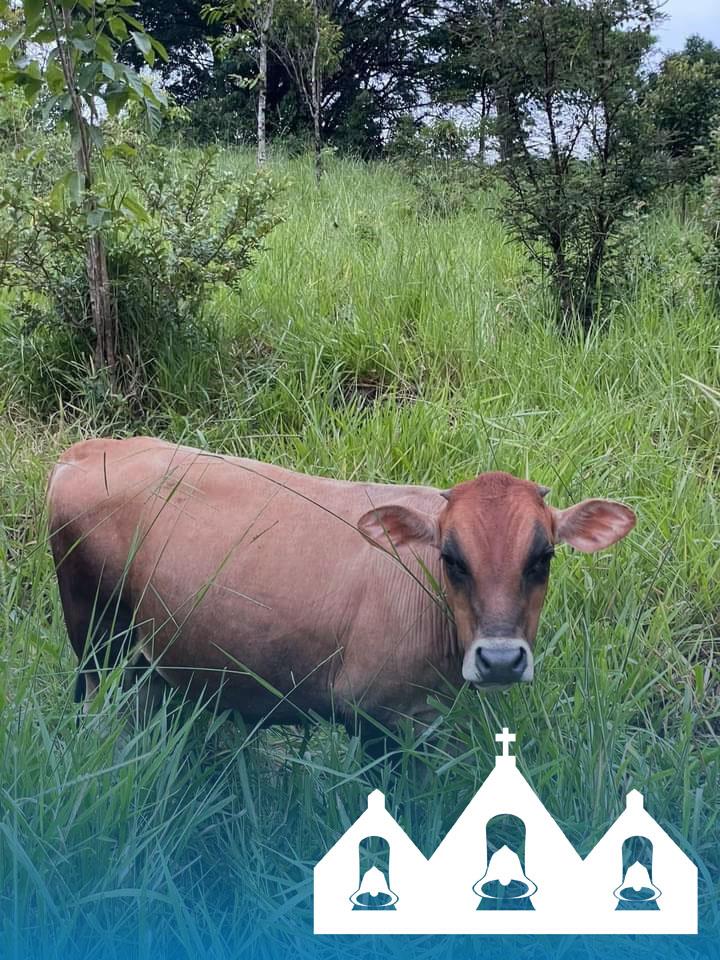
column 392, row 526
column 593, row 524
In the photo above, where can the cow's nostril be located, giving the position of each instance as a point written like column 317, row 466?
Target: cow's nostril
column 483, row 659
column 505, row 664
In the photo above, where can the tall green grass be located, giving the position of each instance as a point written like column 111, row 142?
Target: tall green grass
column 374, row 342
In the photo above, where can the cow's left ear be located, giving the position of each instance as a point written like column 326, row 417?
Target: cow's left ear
column 392, row 526
column 593, row 524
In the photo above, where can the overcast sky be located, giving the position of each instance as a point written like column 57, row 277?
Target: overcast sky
column 689, row 16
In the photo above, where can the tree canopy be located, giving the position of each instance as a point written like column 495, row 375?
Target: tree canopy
column 685, row 101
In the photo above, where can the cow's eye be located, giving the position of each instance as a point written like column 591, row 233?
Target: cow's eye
column 539, row 568
column 454, row 566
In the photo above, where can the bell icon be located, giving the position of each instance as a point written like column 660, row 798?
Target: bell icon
column 637, row 891
column 374, row 892
column 505, row 886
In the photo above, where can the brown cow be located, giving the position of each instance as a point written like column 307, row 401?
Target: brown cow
column 285, row 593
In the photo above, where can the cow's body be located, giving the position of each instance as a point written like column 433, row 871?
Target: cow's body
column 245, row 576
column 289, row 594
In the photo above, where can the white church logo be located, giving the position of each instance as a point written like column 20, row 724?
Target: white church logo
column 505, row 867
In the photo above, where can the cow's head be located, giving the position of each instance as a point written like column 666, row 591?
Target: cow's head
column 496, row 537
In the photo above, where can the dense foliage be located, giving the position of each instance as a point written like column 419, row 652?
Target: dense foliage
column 378, row 76
column 173, row 235
column 710, row 246
column 557, row 91
column 684, row 101
column 579, row 149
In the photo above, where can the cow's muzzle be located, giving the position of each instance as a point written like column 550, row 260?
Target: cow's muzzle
column 498, row 662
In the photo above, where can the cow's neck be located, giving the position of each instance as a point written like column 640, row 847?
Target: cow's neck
column 434, row 642
column 448, row 645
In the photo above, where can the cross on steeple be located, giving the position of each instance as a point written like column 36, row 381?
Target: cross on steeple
column 505, row 738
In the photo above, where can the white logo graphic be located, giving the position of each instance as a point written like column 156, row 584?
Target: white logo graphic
column 505, row 867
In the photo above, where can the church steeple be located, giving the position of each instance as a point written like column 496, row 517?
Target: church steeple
column 505, row 738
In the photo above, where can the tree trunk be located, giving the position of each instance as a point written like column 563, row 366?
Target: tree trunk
column 596, row 258
column 502, row 93
column 102, row 307
column 482, row 137
column 563, row 282
column 262, row 83
column 316, row 93
column 503, row 116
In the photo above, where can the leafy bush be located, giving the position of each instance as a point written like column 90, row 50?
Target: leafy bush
column 578, row 149
column 438, row 160
column 710, row 255
column 684, row 100
column 175, row 231
column 223, row 120
column 14, row 112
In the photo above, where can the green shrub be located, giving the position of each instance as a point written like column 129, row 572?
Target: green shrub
column 710, row 255
column 177, row 227
column 438, row 160
column 684, row 101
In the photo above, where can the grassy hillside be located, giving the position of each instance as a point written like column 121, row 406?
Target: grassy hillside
column 375, row 340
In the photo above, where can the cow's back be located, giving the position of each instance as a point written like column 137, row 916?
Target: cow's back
column 254, row 572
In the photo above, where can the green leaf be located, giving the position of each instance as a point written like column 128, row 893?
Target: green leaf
column 57, row 195
column 54, row 75
column 159, row 49
column 12, row 40
column 30, row 85
column 61, row 102
column 108, row 70
column 96, row 136
column 130, row 206
column 153, row 117
column 75, row 183
column 123, row 150
column 75, row 141
column 118, row 28
column 142, row 42
column 131, row 21
column 103, row 48
column 158, row 97
column 115, row 100
column 135, row 83
column 33, row 13
column 82, row 44
column 85, row 81
column 97, row 217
